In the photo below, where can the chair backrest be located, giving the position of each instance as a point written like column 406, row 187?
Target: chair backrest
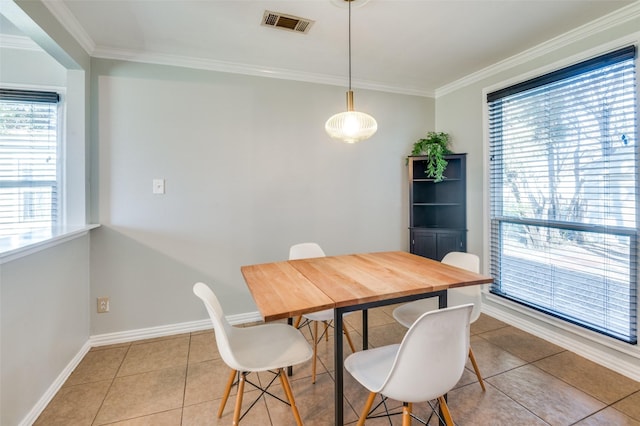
column 464, row 295
column 305, row 251
column 223, row 330
column 431, row 357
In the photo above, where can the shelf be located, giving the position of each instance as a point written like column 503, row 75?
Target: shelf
column 437, row 209
column 446, row 179
column 436, row 228
column 437, row 204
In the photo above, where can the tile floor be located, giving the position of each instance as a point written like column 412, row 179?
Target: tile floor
column 178, row 380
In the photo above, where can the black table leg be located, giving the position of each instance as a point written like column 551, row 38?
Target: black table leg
column 339, row 366
column 365, row 329
column 442, row 303
column 290, row 368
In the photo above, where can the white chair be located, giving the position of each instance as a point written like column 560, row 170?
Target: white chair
column 306, row 251
column 407, row 314
column 265, row 347
column 424, row 366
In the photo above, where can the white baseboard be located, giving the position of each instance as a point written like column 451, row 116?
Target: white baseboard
column 46, row 398
column 167, row 330
column 123, row 337
column 625, row 362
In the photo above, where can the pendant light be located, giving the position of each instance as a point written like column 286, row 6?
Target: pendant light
column 351, row 126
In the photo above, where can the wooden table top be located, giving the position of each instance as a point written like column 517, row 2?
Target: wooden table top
column 290, row 288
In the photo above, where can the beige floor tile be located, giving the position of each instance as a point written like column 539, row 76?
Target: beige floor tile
column 206, row 381
column 179, row 380
column 608, row 416
column 375, row 317
column 143, row 394
column 203, row 347
column 158, row 339
column 165, row 418
column 327, row 336
column 257, row 414
column 155, row 355
column 599, row 382
column 74, row 405
column 326, row 357
column 521, row 344
column 470, row 406
column 356, row 396
column 97, row 366
column 386, row 334
column 388, row 309
column 315, row 403
column 486, row 323
column 630, row 406
column 206, row 413
column 115, row 345
column 549, row 398
column 491, row 359
column 468, row 377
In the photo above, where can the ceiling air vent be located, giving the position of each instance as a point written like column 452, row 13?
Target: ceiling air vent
column 286, row 22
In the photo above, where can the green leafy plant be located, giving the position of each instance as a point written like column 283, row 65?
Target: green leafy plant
column 435, row 146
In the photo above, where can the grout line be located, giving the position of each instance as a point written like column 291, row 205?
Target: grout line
column 95, row 417
column 186, row 377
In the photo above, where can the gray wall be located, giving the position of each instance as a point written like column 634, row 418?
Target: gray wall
column 44, row 312
column 249, row 171
column 44, row 317
column 44, row 296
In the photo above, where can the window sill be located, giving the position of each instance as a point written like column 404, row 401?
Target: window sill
column 12, row 248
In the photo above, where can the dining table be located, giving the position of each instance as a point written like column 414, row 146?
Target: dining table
column 346, row 283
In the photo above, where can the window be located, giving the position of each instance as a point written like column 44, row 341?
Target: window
column 29, row 176
column 564, row 193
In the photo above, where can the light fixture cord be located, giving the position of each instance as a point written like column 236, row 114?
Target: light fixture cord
column 349, row 1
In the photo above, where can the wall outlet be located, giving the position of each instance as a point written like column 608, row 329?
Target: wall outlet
column 103, row 305
column 158, row 186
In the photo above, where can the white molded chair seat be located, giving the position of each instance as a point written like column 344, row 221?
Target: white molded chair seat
column 408, row 313
column 424, row 366
column 307, row 251
column 253, row 349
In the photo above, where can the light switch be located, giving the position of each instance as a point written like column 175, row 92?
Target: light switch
column 158, row 186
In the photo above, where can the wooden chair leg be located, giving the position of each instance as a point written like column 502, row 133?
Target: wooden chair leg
column 406, row 414
column 346, row 334
column 287, row 390
column 238, row 409
column 227, row 391
column 477, row 370
column 315, row 351
column 326, row 331
column 367, row 407
column 296, row 324
column 445, row 411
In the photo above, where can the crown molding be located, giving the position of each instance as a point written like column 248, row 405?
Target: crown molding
column 62, row 13
column 68, row 20
column 246, row 69
column 18, row 42
column 618, row 17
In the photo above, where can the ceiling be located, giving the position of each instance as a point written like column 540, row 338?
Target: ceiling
column 406, row 46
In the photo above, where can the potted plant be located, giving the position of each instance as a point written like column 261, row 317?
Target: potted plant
column 435, row 146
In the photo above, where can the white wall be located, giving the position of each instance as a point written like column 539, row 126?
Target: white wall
column 459, row 110
column 249, row 171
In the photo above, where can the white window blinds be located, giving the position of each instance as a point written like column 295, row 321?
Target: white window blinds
column 564, row 193
column 28, row 161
